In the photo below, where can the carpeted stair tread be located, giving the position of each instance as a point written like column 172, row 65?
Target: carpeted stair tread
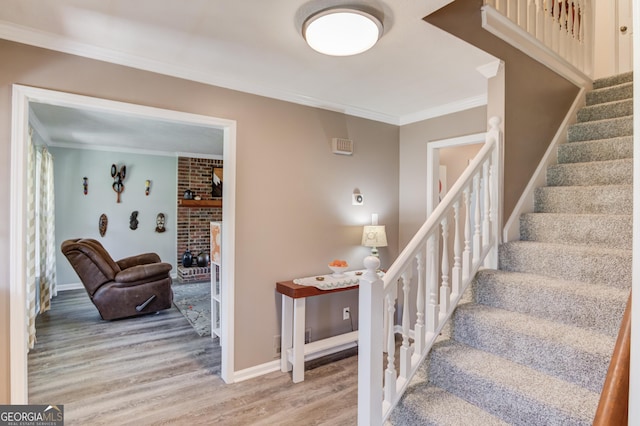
column 613, row 80
column 610, row 172
column 601, row 129
column 610, row 93
column 514, row 393
column 428, row 405
column 594, row 307
column 596, row 150
column 606, row 110
column 569, row 262
column 569, row 353
column 601, row 230
column 597, row 199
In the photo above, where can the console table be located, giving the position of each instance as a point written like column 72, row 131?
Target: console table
column 293, row 351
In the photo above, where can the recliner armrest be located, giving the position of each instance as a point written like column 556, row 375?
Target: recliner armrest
column 141, row 272
column 140, row 259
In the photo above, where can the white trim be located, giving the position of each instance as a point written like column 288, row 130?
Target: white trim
column 450, row 108
column 69, row 286
column 257, row 371
column 21, row 34
column 634, row 363
column 503, row 28
column 22, row 96
column 124, row 149
column 433, row 162
column 539, row 178
column 17, row 250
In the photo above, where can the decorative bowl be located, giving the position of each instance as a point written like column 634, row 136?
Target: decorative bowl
column 338, row 271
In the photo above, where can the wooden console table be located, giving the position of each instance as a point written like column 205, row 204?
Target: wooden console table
column 293, row 351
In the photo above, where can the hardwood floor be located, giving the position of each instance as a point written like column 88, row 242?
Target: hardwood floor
column 156, row 370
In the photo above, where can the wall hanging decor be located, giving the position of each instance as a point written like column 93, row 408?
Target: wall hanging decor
column 147, row 187
column 118, row 176
column 102, row 224
column 160, row 219
column 133, row 220
column 216, row 182
column 85, row 185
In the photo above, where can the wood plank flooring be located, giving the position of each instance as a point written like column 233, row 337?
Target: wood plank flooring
column 156, row 370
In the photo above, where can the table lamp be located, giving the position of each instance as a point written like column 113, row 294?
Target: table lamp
column 374, row 236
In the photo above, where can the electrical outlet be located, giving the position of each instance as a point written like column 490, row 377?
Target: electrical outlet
column 346, row 313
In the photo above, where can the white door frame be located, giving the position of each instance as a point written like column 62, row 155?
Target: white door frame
column 21, row 97
column 624, row 40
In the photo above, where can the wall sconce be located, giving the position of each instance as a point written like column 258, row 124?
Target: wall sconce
column 374, row 236
column 147, row 187
column 85, row 185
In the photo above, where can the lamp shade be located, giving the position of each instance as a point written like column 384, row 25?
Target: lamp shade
column 342, row 31
column 374, row 236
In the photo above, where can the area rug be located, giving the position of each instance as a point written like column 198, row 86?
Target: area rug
column 194, row 302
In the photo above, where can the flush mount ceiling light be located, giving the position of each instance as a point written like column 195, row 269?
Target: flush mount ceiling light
column 342, row 31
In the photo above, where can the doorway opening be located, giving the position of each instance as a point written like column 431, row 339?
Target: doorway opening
column 23, row 98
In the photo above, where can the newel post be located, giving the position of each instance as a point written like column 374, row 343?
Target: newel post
column 370, row 341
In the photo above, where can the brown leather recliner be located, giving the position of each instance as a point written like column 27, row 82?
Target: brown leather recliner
column 132, row 286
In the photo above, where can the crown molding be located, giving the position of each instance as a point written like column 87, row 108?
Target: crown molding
column 450, row 108
column 42, row 39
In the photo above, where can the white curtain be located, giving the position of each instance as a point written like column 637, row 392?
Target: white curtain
column 31, row 242
column 46, row 221
column 41, row 251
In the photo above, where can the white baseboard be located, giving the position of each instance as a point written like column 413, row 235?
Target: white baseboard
column 256, row 371
column 70, row 286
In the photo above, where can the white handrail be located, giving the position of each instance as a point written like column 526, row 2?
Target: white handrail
column 425, row 283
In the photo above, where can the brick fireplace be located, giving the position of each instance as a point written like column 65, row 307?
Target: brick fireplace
column 193, row 220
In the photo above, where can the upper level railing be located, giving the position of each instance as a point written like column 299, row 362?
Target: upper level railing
column 425, row 283
column 564, row 26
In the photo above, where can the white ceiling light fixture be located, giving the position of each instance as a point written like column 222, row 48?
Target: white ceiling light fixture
column 342, row 31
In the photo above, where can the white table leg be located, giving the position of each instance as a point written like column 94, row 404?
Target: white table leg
column 286, row 335
column 298, row 339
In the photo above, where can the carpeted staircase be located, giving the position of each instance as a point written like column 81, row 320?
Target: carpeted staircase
column 533, row 343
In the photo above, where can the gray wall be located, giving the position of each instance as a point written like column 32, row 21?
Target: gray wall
column 413, row 157
column 293, row 203
column 77, row 214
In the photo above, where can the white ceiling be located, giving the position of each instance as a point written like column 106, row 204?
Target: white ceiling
column 416, row 71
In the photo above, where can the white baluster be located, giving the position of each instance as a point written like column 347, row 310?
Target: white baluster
column 512, row 11
column 432, row 287
column 540, row 20
column 477, row 237
column 563, row 34
column 466, row 254
column 419, row 339
column 456, row 284
column 486, row 228
column 405, row 350
column 390, row 372
column 587, row 25
column 445, row 290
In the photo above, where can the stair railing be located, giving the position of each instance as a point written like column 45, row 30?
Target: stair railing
column 563, row 26
column 613, row 408
column 419, row 292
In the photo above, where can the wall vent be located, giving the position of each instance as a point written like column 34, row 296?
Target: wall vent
column 342, row 146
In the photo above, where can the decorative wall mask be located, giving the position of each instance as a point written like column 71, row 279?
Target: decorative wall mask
column 147, row 187
column 102, row 224
column 133, row 220
column 118, row 176
column 160, row 219
column 216, row 182
column 85, row 185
